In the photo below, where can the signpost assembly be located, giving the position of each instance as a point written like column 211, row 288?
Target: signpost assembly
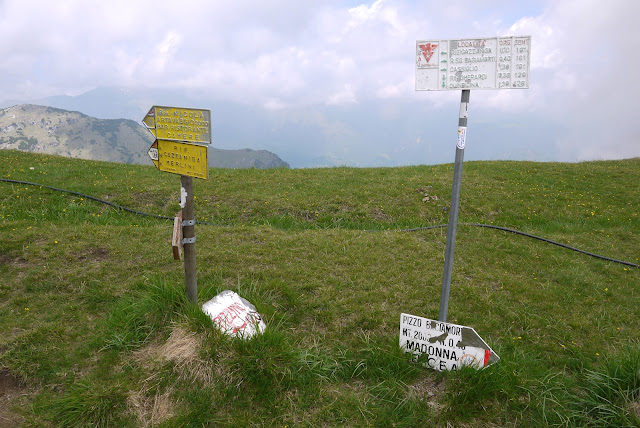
column 465, row 64
column 180, row 133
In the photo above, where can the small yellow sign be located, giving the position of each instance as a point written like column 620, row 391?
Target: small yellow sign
column 179, row 124
column 184, row 159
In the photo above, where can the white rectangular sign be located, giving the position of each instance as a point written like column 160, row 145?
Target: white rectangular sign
column 483, row 63
column 445, row 346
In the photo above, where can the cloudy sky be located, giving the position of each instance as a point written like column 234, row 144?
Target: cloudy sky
column 343, row 70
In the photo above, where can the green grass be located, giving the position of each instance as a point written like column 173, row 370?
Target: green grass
column 97, row 330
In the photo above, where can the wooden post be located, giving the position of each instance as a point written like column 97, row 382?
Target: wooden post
column 189, row 243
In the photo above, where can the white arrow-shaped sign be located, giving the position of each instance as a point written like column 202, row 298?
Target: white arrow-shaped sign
column 444, row 346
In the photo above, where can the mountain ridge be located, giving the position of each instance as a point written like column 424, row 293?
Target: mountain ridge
column 51, row 130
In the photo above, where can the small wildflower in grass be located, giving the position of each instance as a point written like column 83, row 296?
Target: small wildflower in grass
column 26, row 309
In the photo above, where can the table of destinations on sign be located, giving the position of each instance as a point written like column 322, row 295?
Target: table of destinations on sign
column 487, row 63
column 179, row 124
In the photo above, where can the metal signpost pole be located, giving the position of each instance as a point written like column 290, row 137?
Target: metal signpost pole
column 455, row 204
column 189, row 242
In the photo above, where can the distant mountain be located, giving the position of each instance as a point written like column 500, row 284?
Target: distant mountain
column 51, row 130
column 412, row 130
column 245, row 158
column 55, row 131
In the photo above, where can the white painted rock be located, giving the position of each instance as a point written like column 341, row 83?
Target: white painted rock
column 234, row 315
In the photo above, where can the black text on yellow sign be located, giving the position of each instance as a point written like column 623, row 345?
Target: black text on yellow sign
column 179, row 124
column 184, row 159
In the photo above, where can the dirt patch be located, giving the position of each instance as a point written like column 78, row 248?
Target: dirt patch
column 95, row 254
column 306, row 215
column 635, row 409
column 145, row 198
column 20, row 262
column 4, row 259
column 8, row 382
column 428, row 390
column 99, row 253
column 11, row 388
column 379, row 215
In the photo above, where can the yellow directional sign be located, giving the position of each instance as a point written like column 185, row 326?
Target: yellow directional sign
column 180, row 158
column 179, row 124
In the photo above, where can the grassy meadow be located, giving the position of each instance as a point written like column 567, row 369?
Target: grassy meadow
column 96, row 329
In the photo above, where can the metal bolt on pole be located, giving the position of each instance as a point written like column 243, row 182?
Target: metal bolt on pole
column 189, row 244
column 455, row 204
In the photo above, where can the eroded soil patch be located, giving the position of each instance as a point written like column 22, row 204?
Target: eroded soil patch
column 11, row 388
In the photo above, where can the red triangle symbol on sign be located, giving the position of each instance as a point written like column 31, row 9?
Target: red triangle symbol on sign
column 428, row 50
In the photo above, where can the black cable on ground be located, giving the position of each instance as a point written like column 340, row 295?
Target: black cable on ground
column 93, row 198
column 517, row 232
column 439, row 226
column 88, row 197
column 553, row 242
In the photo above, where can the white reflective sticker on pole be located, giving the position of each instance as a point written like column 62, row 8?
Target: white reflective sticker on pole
column 234, row 315
column 464, row 110
column 462, row 137
column 183, row 197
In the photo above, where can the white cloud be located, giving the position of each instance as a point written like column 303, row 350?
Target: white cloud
column 345, row 95
column 165, row 50
column 361, row 14
column 274, row 104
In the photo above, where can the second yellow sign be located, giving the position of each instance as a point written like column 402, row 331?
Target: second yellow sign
column 184, row 159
